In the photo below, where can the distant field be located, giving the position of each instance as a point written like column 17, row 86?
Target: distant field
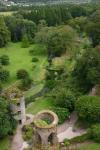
column 21, row 59
column 8, row 13
column 93, row 146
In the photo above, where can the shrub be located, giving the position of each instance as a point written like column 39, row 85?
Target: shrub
column 25, row 83
column 31, row 51
column 22, row 74
column 88, row 108
column 27, row 132
column 66, row 142
column 64, row 98
column 29, row 100
column 62, row 113
column 94, row 133
column 4, row 75
column 25, row 41
column 34, row 59
column 80, row 139
column 0, row 87
column 4, row 59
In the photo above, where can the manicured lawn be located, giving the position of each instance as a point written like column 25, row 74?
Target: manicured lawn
column 20, row 58
column 35, row 89
column 5, row 144
column 40, row 104
column 8, row 13
column 93, row 146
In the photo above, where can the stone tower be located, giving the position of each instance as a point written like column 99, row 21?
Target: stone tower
column 45, row 130
column 17, row 103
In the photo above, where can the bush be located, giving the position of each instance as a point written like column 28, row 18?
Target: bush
column 62, row 113
column 34, row 59
column 25, row 41
column 4, row 59
column 4, row 75
column 25, row 83
column 80, row 139
column 22, row 74
column 94, row 133
column 27, row 132
column 31, row 51
column 29, row 100
column 66, row 142
column 0, row 88
column 66, row 99
column 88, row 108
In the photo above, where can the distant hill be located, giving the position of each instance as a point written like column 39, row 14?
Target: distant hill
column 50, row 1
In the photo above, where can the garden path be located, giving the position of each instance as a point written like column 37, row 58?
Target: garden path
column 65, row 131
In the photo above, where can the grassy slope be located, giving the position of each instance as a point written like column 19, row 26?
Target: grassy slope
column 21, row 59
column 5, row 144
column 93, row 146
column 40, row 104
column 35, row 89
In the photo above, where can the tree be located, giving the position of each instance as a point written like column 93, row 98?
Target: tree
column 22, row 74
column 93, row 28
column 88, row 108
column 4, row 60
column 7, row 123
column 18, row 27
column 25, row 41
column 90, row 75
column 4, row 33
column 25, row 83
column 94, row 133
column 64, row 98
column 58, row 40
column 4, row 75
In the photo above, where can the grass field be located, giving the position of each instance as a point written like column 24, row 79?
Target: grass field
column 40, row 104
column 93, row 146
column 21, row 59
column 35, row 89
column 8, row 13
column 5, row 144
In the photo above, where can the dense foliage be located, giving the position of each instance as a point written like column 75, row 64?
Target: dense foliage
column 4, row 33
column 89, row 76
column 88, row 108
column 7, row 123
column 94, row 133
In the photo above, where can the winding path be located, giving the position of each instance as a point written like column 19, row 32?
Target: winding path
column 66, row 129
column 17, row 141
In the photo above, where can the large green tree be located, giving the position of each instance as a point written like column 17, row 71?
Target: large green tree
column 88, row 108
column 58, row 40
column 87, row 69
column 4, row 33
column 7, row 123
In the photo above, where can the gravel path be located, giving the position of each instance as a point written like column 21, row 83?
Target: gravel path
column 17, row 141
column 66, row 130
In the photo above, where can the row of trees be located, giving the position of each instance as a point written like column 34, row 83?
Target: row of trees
column 26, row 23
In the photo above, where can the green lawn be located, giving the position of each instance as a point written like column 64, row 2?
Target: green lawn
column 5, row 144
column 40, row 104
column 21, row 59
column 35, row 89
column 93, row 146
column 8, row 13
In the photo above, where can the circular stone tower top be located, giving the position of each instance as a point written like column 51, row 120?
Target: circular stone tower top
column 45, row 129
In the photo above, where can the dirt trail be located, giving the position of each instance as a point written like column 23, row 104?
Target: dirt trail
column 66, row 129
column 17, row 141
